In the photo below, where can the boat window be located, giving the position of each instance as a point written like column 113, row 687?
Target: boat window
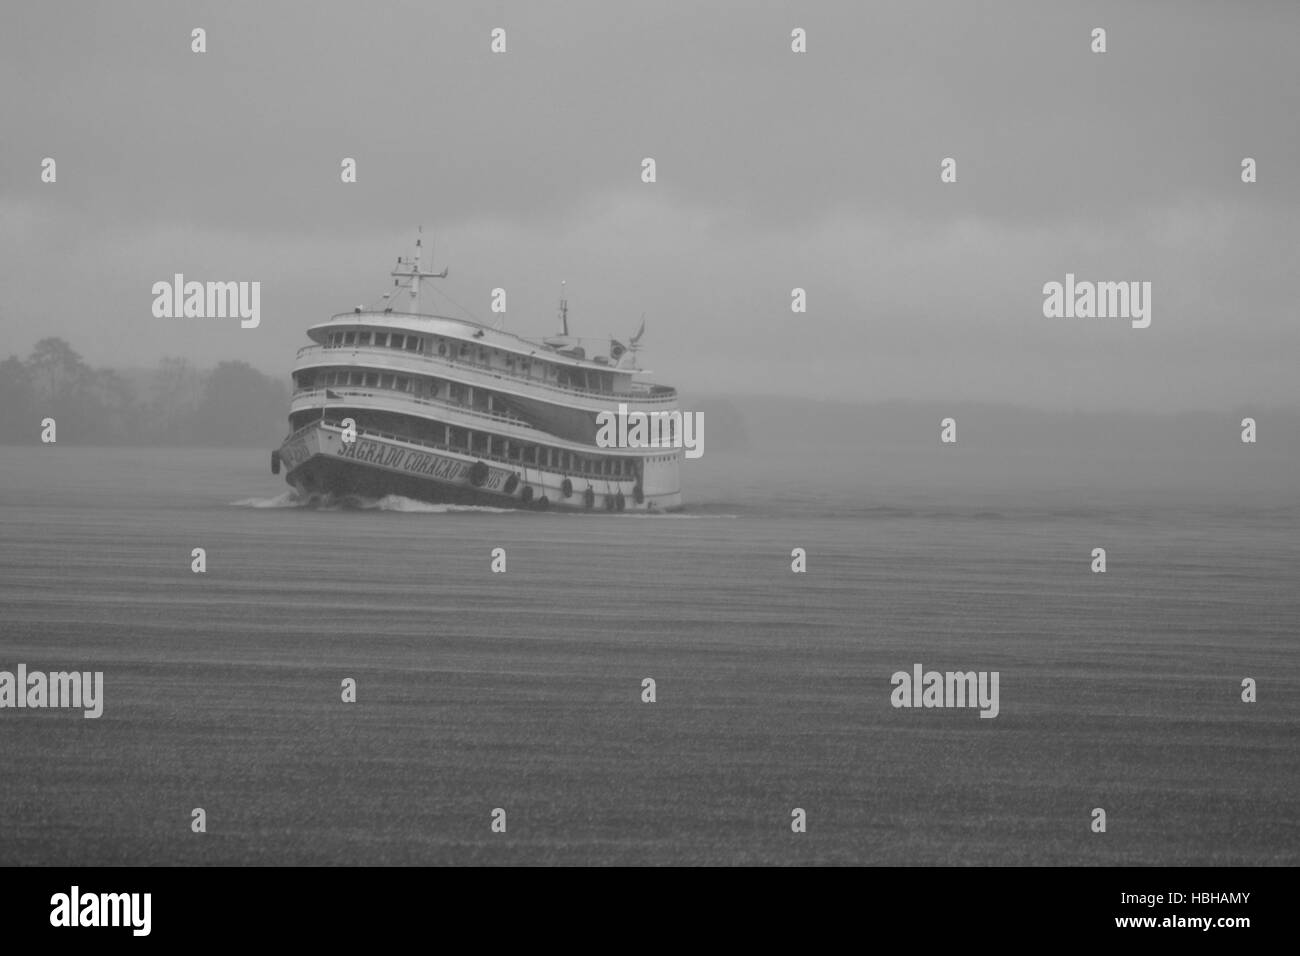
column 442, row 347
column 385, row 381
column 349, row 338
column 412, row 343
column 354, row 378
column 372, row 380
column 381, row 339
column 363, row 338
column 402, row 383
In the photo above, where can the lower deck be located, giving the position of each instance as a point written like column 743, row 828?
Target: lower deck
column 375, row 464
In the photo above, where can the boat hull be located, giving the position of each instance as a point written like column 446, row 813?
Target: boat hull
column 318, row 461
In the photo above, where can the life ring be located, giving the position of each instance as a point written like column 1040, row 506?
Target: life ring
column 637, row 494
column 566, row 489
column 620, row 502
column 526, row 496
column 478, row 473
column 589, row 497
column 543, row 503
column 511, row 484
column 275, row 462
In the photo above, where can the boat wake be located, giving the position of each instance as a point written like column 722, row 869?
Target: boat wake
column 327, row 502
column 398, row 503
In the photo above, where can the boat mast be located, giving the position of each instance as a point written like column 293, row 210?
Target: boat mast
column 413, row 271
column 563, row 340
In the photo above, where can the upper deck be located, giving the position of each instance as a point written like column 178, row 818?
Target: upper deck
column 462, row 348
column 555, row 370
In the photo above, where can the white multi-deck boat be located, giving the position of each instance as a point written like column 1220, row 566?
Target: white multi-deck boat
column 393, row 402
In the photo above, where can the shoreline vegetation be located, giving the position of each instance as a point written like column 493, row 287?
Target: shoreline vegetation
column 175, row 403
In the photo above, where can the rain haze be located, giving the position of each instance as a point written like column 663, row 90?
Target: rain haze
column 774, row 171
column 283, row 543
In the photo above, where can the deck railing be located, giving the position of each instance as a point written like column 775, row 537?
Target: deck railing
column 642, row 393
column 344, row 391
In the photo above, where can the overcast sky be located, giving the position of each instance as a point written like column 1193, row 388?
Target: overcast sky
column 775, row 170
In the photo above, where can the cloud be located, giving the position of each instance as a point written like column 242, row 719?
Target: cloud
column 775, row 171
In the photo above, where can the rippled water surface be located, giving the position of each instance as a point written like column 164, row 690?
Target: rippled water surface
column 523, row 690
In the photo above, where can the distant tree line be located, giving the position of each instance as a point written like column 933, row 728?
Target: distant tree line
column 231, row 404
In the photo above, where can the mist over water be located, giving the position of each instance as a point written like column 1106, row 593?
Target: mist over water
column 774, row 457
